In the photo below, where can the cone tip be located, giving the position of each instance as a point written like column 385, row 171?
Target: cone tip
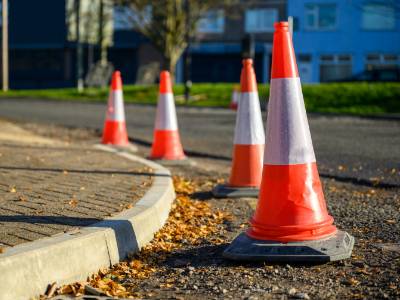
column 248, row 81
column 247, row 61
column 164, row 74
column 165, row 82
column 282, row 26
column 116, row 81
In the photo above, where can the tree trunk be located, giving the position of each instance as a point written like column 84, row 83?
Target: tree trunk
column 170, row 64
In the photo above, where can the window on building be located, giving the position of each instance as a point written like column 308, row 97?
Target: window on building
column 295, row 23
column 320, row 16
column 335, row 67
column 378, row 16
column 305, row 67
column 260, row 19
column 376, row 61
column 125, row 18
column 304, row 58
column 212, row 22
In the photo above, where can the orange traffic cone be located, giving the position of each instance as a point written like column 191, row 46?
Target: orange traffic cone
column 291, row 222
column 166, row 144
column 249, row 141
column 235, row 98
column 114, row 131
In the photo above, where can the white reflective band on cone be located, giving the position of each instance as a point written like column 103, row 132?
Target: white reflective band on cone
column 288, row 135
column 115, row 110
column 249, row 128
column 166, row 114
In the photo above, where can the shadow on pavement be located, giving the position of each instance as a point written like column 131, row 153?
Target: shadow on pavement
column 202, row 196
column 188, row 152
column 211, row 256
column 359, row 181
column 107, row 172
column 60, row 220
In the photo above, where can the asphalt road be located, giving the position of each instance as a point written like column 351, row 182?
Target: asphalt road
column 350, row 149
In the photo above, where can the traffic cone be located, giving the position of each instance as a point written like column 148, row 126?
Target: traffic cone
column 235, row 98
column 114, row 131
column 166, row 143
column 249, row 141
column 291, row 222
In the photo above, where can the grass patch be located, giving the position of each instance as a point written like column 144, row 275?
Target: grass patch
column 349, row 98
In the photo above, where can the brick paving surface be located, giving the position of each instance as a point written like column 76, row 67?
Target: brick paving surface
column 47, row 189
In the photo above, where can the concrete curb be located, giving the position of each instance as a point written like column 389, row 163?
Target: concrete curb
column 27, row 269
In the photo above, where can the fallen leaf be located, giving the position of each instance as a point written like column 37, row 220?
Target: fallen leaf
column 351, row 281
column 73, row 202
column 22, row 198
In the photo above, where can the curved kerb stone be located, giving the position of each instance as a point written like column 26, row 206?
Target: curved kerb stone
column 27, row 269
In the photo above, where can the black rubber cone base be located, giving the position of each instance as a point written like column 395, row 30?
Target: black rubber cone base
column 224, row 191
column 336, row 247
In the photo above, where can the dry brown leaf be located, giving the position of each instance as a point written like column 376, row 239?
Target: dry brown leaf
column 22, row 198
column 73, row 202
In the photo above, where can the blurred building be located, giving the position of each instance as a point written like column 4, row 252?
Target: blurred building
column 42, row 43
column 333, row 40
column 338, row 39
column 217, row 50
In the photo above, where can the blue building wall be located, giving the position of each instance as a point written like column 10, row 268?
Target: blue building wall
column 348, row 36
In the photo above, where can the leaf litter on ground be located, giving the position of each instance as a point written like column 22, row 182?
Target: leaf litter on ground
column 189, row 221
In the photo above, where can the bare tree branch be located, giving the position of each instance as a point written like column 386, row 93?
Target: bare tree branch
column 168, row 23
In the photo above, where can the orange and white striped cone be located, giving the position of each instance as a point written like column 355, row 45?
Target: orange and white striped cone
column 291, row 222
column 249, row 141
column 166, row 143
column 114, row 131
column 235, row 99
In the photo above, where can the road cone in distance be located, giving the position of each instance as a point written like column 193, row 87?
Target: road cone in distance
column 246, row 171
column 114, row 131
column 235, row 98
column 166, row 142
column 291, row 222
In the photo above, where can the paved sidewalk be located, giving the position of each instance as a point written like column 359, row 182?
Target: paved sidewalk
column 49, row 186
